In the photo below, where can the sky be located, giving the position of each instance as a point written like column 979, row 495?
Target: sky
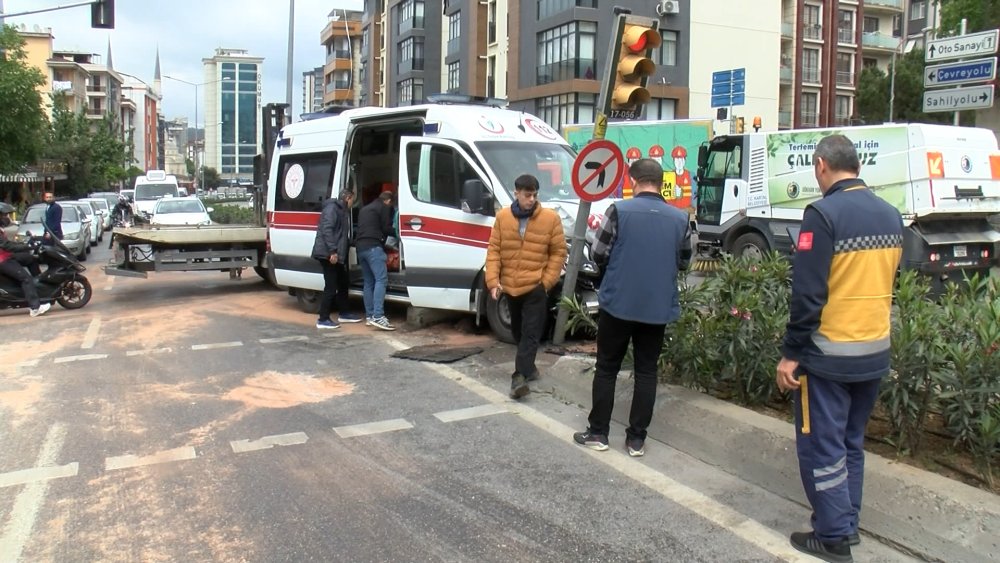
column 187, row 31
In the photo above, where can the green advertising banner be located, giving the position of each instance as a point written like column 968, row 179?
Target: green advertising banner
column 882, row 151
column 674, row 144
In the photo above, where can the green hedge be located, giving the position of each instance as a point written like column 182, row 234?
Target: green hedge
column 232, row 215
column 945, row 356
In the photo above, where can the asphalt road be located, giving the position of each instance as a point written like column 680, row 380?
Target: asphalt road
column 190, row 417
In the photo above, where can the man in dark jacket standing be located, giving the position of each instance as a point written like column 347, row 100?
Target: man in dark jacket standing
column 331, row 249
column 53, row 217
column 836, row 346
column 642, row 245
column 374, row 227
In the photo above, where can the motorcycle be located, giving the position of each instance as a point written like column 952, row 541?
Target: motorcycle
column 62, row 281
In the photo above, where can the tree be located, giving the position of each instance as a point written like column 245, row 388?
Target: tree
column 872, row 98
column 980, row 15
column 22, row 120
column 189, row 164
column 212, row 179
column 93, row 151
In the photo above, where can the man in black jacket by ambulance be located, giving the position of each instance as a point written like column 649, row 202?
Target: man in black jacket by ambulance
column 836, row 346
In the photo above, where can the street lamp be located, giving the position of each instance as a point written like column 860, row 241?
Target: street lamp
column 200, row 169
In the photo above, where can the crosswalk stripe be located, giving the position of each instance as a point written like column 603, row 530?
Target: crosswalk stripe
column 367, row 428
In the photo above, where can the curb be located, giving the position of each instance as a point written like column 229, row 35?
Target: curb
column 931, row 516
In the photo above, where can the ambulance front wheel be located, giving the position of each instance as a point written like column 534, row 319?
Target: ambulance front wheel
column 308, row 300
column 498, row 316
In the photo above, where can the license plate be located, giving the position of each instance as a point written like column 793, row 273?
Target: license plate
column 961, row 251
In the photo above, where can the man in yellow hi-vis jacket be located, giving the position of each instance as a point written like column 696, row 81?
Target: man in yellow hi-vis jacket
column 836, row 346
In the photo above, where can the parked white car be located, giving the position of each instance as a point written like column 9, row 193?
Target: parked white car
column 180, row 211
column 91, row 218
column 102, row 209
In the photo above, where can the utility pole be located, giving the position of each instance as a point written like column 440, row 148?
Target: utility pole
column 961, row 32
column 291, row 45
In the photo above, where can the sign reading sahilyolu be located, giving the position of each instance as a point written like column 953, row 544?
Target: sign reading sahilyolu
column 974, row 97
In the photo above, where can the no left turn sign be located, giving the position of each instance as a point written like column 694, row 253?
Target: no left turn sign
column 598, row 170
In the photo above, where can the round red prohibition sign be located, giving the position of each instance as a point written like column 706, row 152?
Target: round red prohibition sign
column 598, row 170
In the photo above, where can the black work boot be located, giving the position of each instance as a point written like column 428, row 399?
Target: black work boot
column 518, row 386
column 836, row 552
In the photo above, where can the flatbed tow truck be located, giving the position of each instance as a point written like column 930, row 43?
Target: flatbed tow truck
column 142, row 249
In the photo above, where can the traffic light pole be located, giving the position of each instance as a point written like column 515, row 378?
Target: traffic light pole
column 583, row 212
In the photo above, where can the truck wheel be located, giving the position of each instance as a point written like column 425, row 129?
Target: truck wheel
column 308, row 300
column 750, row 244
column 498, row 315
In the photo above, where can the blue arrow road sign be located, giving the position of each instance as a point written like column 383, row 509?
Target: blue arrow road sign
column 965, row 72
column 722, row 88
column 722, row 101
column 739, row 99
column 740, row 74
column 739, row 87
column 722, row 76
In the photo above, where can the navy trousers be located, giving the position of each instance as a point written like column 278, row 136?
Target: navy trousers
column 831, row 454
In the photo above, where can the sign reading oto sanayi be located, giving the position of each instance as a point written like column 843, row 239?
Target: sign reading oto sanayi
column 971, row 45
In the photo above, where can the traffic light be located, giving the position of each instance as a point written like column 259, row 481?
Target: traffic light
column 739, row 125
column 633, row 68
column 102, row 14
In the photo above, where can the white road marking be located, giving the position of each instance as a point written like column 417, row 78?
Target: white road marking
column 284, row 339
column 25, row 476
column 80, row 358
column 93, row 330
column 216, row 345
column 267, row 442
column 29, row 500
column 372, row 428
column 27, row 364
column 471, row 412
column 110, row 284
column 166, row 456
column 721, row 515
column 149, row 351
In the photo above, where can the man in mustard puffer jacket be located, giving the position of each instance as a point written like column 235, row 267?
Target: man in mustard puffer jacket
column 524, row 260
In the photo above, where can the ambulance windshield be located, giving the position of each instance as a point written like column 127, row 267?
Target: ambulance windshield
column 552, row 164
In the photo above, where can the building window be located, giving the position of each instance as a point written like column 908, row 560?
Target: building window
column 453, row 76
column 566, row 109
column 868, row 62
column 661, row 108
column 410, row 91
column 667, row 53
column 342, row 79
column 411, row 15
column 454, row 32
column 810, row 65
column 410, row 53
column 845, row 69
column 566, row 52
column 870, row 24
column 548, row 8
column 918, row 10
column 845, row 27
column 897, row 25
column 812, row 26
column 842, row 114
column 491, row 18
column 808, row 115
column 491, row 76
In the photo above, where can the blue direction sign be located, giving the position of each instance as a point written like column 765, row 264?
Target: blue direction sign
column 965, row 72
column 729, row 87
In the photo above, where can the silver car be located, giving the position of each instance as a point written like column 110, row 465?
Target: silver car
column 76, row 232
column 102, row 209
column 93, row 220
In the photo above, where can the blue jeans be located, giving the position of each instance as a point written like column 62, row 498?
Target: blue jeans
column 376, row 279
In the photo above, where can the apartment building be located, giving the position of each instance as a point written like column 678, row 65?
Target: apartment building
column 312, row 90
column 232, row 81
column 342, row 40
column 145, row 99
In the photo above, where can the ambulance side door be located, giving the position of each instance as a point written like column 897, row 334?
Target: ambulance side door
column 443, row 247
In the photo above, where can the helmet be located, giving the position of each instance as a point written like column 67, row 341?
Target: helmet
column 679, row 152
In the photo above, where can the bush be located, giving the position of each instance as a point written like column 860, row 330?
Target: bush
column 232, row 215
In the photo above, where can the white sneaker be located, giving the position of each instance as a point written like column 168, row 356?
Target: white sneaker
column 381, row 323
column 41, row 309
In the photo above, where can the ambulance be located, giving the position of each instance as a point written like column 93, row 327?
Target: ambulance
column 944, row 180
column 452, row 164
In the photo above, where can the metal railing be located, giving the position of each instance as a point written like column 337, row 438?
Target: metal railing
column 845, row 78
column 812, row 31
column 809, row 118
column 846, row 35
column 810, row 74
column 896, row 4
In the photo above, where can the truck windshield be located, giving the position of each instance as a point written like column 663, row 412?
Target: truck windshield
column 552, row 164
column 154, row 191
column 724, row 161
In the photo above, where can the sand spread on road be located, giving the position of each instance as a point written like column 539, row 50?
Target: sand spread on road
column 275, row 390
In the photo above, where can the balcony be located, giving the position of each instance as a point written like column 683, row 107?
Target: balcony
column 95, row 112
column 785, row 119
column 454, row 46
column 878, row 40
column 91, row 89
column 810, row 74
column 338, row 85
column 846, row 36
column 565, row 70
column 812, row 31
column 787, row 29
column 410, row 65
column 808, row 119
column 786, row 74
column 416, row 22
column 886, row 5
column 842, row 121
column 845, row 78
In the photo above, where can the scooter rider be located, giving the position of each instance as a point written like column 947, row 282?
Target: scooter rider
column 11, row 267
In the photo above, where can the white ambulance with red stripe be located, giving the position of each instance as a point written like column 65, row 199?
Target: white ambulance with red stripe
column 452, row 166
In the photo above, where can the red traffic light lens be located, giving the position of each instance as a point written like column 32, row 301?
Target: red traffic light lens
column 639, row 45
